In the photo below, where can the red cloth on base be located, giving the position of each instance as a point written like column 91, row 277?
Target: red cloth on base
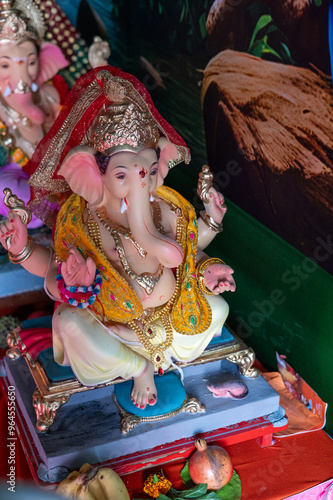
column 290, row 466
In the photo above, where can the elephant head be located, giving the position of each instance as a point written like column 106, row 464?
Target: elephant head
column 23, row 69
column 126, row 180
column 26, row 62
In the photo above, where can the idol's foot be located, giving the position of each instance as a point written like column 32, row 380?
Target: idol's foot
column 144, row 389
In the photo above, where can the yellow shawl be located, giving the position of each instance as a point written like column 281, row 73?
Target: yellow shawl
column 117, row 301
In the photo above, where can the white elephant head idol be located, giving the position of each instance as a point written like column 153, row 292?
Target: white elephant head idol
column 128, row 265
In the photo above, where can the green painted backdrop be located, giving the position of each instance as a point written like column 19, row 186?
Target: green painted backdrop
column 283, row 301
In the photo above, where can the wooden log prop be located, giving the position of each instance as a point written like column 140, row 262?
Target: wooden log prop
column 269, row 134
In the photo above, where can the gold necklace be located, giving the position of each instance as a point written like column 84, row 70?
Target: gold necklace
column 94, row 232
column 148, row 332
column 146, row 281
column 157, row 216
column 115, row 229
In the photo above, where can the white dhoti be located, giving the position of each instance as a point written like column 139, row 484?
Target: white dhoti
column 96, row 355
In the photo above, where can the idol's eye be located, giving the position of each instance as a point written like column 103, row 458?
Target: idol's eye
column 121, row 175
column 154, row 171
column 4, row 65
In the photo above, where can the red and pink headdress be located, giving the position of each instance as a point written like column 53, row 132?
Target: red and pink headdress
column 107, row 109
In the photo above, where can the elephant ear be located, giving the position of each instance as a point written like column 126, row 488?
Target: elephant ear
column 51, row 60
column 168, row 151
column 82, row 174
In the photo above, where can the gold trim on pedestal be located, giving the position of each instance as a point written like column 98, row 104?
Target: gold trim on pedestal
column 129, row 420
column 46, row 409
column 13, row 354
column 245, row 359
column 18, row 347
column 12, row 341
column 236, row 352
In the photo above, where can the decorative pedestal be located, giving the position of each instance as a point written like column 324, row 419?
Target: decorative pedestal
column 58, row 437
column 70, row 442
column 55, row 384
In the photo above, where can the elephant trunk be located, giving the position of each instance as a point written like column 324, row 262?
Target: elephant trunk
column 28, row 108
column 140, row 218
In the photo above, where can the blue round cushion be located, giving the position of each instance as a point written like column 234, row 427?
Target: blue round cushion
column 170, row 396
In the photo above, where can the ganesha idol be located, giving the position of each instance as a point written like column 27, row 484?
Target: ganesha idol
column 28, row 104
column 135, row 291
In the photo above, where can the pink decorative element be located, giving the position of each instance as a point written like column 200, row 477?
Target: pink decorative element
column 64, row 243
column 112, row 297
column 82, row 175
column 323, row 491
column 168, row 152
column 181, row 307
column 229, row 389
column 191, row 236
column 51, row 60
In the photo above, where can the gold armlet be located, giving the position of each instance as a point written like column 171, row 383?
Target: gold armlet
column 25, row 253
column 200, row 270
column 217, row 227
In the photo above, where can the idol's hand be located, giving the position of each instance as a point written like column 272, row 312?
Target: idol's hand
column 218, row 278
column 216, row 207
column 77, row 271
column 13, row 234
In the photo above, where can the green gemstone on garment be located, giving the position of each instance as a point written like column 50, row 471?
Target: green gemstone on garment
column 193, row 320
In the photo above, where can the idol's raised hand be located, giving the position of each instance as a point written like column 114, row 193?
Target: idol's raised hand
column 76, row 270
